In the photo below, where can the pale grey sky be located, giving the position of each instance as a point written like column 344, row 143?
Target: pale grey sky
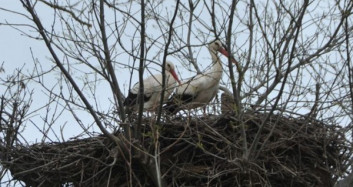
column 15, row 52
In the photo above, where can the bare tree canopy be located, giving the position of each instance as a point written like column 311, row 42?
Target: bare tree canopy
column 282, row 114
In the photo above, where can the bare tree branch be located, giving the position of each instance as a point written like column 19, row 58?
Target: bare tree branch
column 58, row 7
column 27, row 4
column 254, row 145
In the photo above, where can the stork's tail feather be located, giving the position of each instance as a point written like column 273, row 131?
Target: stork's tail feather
column 175, row 103
column 130, row 99
column 170, row 107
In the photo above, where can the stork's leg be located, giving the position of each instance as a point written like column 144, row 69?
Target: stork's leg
column 189, row 114
column 204, row 111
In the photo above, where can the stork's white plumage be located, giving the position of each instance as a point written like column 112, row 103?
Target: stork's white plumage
column 202, row 88
column 152, row 89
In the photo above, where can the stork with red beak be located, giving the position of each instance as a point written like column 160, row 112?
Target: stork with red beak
column 152, row 89
column 202, row 88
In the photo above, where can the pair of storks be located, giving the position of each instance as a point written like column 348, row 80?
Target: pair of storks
column 195, row 92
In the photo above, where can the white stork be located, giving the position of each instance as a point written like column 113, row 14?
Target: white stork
column 202, row 88
column 152, row 89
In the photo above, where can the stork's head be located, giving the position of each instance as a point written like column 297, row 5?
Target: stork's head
column 169, row 66
column 218, row 46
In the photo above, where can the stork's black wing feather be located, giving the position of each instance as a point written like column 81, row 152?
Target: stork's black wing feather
column 131, row 99
column 173, row 104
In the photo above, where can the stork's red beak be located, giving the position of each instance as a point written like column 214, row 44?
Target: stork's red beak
column 225, row 53
column 175, row 76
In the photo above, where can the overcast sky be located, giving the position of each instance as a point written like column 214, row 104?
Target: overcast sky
column 15, row 52
column 16, row 48
column 19, row 51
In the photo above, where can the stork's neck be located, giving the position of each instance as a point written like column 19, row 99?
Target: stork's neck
column 216, row 63
column 168, row 75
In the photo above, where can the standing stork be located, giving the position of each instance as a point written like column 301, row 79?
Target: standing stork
column 202, row 88
column 152, row 89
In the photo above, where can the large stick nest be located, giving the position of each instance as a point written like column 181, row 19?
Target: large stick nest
column 195, row 152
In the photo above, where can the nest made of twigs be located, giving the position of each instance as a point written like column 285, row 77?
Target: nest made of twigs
column 199, row 151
